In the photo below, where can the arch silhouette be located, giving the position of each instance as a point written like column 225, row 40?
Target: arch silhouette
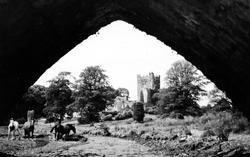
column 213, row 35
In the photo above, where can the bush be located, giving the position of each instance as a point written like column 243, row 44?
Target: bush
column 186, row 131
column 223, row 123
column 207, row 133
column 175, row 115
column 82, row 120
column 106, row 117
column 113, row 113
column 147, row 119
column 87, row 119
column 152, row 110
column 240, row 123
column 101, row 129
column 51, row 119
column 207, row 117
column 104, row 129
column 138, row 111
column 88, row 115
column 124, row 115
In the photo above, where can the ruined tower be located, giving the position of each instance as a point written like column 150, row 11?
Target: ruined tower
column 147, row 86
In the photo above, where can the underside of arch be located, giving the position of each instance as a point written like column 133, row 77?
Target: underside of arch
column 214, row 35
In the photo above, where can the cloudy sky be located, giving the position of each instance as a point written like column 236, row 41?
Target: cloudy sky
column 123, row 51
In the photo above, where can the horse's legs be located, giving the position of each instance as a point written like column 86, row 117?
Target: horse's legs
column 32, row 133
column 32, row 128
column 13, row 133
column 56, row 134
column 26, row 133
column 19, row 134
column 9, row 132
column 61, row 134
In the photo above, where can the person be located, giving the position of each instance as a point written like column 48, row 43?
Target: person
column 12, row 128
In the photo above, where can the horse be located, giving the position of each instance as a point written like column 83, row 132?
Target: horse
column 61, row 130
column 68, row 128
column 29, row 128
column 12, row 128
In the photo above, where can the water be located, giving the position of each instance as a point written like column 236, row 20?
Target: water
column 6, row 155
column 42, row 141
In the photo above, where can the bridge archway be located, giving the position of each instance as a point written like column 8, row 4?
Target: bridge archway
column 213, row 35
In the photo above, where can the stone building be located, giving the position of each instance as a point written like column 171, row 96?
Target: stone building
column 147, row 86
column 121, row 102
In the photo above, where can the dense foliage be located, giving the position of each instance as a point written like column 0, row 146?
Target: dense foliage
column 219, row 100
column 58, row 96
column 33, row 99
column 93, row 94
column 138, row 111
column 184, row 89
column 123, row 92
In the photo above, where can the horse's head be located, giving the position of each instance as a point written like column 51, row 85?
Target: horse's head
column 72, row 127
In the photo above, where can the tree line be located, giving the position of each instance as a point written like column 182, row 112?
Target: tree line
column 185, row 86
column 92, row 93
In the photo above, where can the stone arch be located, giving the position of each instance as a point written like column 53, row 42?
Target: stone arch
column 142, row 96
column 146, row 96
column 213, row 35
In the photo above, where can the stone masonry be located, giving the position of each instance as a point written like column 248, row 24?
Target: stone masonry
column 147, row 86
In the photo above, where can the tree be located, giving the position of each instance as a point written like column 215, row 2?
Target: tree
column 184, row 76
column 123, row 92
column 58, row 95
column 33, row 99
column 138, row 111
column 93, row 93
column 219, row 100
column 184, row 88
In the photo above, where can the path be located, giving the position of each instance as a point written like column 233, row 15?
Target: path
column 109, row 146
column 95, row 146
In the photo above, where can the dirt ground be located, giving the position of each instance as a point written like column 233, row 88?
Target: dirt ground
column 117, row 144
column 45, row 145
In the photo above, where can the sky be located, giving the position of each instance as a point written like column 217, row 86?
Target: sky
column 120, row 49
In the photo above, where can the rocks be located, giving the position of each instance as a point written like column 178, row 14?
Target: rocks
column 173, row 137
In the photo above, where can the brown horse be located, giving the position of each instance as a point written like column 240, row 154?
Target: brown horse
column 61, row 130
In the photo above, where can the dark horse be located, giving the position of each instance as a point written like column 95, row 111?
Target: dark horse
column 61, row 130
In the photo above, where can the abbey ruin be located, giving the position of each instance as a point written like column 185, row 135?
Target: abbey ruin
column 147, row 86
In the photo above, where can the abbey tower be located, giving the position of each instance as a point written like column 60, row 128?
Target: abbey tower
column 147, row 86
